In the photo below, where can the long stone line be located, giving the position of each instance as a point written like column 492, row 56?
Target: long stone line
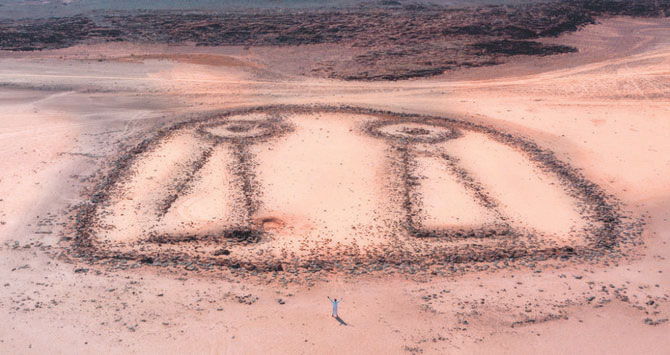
column 245, row 174
column 409, row 180
column 184, row 184
column 471, row 184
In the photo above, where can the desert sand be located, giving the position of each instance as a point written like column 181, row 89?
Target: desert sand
column 187, row 199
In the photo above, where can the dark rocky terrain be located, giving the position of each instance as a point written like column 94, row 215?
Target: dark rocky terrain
column 390, row 42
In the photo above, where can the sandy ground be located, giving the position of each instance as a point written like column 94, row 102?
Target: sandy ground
column 603, row 110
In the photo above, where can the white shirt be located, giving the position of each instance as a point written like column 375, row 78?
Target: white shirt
column 335, row 303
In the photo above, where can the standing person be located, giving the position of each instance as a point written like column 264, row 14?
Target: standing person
column 335, row 303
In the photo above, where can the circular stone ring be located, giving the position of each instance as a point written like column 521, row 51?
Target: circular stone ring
column 412, row 132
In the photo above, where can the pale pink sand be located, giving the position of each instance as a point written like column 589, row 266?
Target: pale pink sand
column 530, row 197
column 603, row 109
column 446, row 202
column 326, row 179
column 208, row 205
column 134, row 209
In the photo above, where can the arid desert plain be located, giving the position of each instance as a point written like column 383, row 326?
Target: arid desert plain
column 161, row 196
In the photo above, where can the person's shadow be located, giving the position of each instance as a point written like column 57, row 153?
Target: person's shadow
column 342, row 322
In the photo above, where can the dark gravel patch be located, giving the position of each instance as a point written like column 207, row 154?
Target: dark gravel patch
column 392, row 43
